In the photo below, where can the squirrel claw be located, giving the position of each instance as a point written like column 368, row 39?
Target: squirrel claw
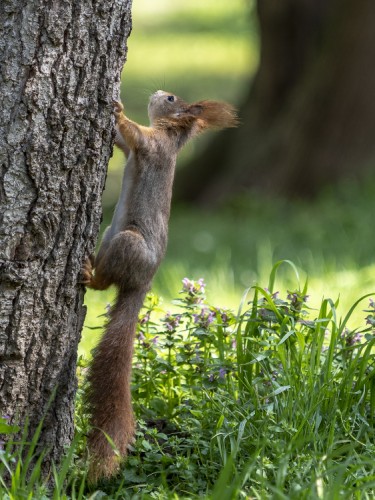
column 118, row 107
column 87, row 271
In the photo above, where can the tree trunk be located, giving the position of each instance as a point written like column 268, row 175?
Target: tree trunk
column 309, row 116
column 60, row 69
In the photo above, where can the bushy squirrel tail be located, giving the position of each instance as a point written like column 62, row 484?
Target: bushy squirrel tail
column 108, row 390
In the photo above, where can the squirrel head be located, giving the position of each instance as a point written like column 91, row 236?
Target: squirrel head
column 167, row 110
column 164, row 104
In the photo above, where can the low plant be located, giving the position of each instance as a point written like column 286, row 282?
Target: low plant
column 276, row 400
column 22, row 474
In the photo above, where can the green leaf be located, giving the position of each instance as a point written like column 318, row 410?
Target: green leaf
column 279, row 390
column 8, row 429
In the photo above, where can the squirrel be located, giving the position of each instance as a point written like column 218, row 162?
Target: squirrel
column 131, row 250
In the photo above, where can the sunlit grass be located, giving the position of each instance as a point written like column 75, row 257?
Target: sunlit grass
column 147, row 12
column 223, row 291
column 330, row 240
column 273, row 399
column 276, row 400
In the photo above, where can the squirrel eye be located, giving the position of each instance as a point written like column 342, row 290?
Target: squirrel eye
column 170, row 98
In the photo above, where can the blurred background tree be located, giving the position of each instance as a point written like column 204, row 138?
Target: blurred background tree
column 309, row 116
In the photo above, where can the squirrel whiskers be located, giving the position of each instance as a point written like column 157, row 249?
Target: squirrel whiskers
column 129, row 255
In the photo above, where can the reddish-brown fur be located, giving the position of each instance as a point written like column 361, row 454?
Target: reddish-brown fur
column 109, row 387
column 129, row 255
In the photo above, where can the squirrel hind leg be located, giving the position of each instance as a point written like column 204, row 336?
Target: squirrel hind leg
column 128, row 261
column 91, row 279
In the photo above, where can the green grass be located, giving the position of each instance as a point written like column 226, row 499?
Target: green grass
column 330, row 240
column 274, row 400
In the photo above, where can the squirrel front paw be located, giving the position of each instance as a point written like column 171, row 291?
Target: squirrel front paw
column 118, row 108
column 87, row 272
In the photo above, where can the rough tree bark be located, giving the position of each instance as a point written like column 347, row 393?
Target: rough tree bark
column 60, row 69
column 309, row 116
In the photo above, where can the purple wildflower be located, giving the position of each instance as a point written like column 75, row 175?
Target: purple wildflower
column 187, row 285
column 192, row 286
column 172, row 321
column 357, row 338
column 194, row 289
column 204, row 318
column 296, row 297
column 197, row 360
column 223, row 315
column 222, row 373
column 351, row 338
column 145, row 318
column 141, row 336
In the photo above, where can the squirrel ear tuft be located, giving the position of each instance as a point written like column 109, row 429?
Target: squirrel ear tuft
column 195, row 109
column 215, row 114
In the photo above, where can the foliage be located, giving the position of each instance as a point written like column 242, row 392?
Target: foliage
column 276, row 401
column 21, row 467
column 283, row 394
column 234, row 246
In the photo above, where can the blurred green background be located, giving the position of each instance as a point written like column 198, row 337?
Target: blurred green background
column 210, row 49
